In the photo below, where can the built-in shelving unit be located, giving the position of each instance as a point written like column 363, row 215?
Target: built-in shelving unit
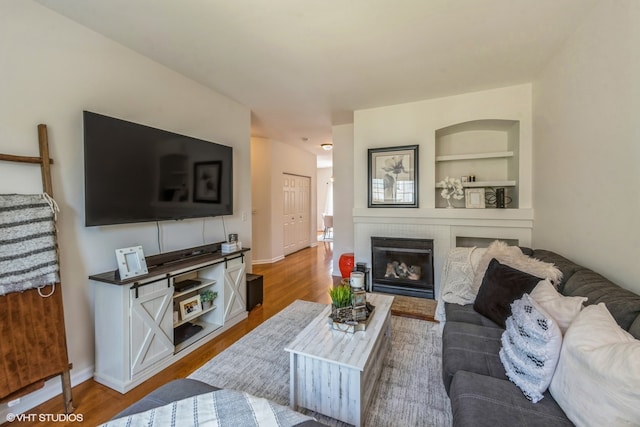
column 194, row 319
column 207, row 328
column 485, row 149
column 494, row 155
column 478, row 184
column 205, row 284
column 185, row 330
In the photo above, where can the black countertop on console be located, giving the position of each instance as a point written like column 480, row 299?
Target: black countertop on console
column 172, row 261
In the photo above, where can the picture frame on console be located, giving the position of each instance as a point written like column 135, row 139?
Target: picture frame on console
column 207, row 177
column 190, row 307
column 131, row 262
column 393, row 177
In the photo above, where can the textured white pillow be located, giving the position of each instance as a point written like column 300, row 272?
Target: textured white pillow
column 563, row 309
column 597, row 381
column 513, row 257
column 531, row 345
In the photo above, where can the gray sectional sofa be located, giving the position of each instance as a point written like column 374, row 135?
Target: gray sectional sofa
column 473, row 375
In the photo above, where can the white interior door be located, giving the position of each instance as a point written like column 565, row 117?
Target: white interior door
column 303, row 211
column 289, row 213
column 296, row 218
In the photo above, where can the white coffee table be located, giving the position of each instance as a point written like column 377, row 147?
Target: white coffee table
column 334, row 372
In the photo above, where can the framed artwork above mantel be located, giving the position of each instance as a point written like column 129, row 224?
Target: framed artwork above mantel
column 393, row 177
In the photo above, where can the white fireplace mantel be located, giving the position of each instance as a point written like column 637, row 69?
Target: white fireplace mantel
column 445, row 226
column 444, row 215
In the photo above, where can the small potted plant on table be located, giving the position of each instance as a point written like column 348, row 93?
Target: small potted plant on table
column 340, row 302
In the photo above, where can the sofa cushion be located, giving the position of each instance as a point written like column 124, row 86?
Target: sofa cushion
column 466, row 314
column 513, row 257
column 596, row 380
column 500, row 287
column 562, row 308
column 472, row 348
column 526, row 251
column 623, row 305
column 635, row 328
column 566, row 266
column 480, row 401
column 530, row 347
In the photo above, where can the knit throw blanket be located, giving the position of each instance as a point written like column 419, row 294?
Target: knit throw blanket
column 221, row 408
column 456, row 284
column 28, row 255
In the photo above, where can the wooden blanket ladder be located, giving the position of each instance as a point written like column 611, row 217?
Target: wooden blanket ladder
column 34, row 346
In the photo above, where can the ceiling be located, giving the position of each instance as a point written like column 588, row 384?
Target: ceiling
column 302, row 66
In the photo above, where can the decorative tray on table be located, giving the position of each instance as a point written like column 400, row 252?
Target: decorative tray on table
column 350, row 319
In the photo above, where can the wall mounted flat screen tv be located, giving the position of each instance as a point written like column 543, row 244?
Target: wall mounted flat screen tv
column 136, row 173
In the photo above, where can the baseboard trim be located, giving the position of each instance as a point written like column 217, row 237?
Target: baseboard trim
column 267, row 261
column 51, row 389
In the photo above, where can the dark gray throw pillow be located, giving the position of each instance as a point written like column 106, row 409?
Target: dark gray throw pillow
column 501, row 286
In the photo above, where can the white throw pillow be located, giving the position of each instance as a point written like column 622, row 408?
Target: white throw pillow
column 562, row 308
column 513, row 257
column 531, row 345
column 597, row 381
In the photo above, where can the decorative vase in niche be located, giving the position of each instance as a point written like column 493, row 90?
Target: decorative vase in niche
column 449, row 205
column 345, row 263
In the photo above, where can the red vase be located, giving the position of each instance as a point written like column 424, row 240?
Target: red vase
column 345, row 263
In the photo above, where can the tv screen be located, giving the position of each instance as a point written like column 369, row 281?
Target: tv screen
column 136, row 173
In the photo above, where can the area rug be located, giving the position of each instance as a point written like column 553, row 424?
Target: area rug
column 408, row 393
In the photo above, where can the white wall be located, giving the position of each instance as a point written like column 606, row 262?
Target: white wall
column 587, row 145
column 417, row 122
column 52, row 69
column 344, row 156
column 277, row 159
column 261, row 210
column 324, row 183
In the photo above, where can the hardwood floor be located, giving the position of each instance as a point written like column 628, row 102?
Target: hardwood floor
column 303, row 275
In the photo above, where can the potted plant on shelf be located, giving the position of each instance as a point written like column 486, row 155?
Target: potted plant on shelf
column 207, row 296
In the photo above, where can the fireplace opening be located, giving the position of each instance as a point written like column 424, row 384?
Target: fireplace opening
column 402, row 266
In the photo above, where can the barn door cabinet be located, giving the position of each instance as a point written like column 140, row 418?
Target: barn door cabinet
column 144, row 324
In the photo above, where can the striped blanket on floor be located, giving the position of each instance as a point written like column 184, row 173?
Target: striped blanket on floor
column 220, row 408
column 28, row 255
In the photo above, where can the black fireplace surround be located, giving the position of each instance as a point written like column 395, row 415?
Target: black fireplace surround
column 402, row 266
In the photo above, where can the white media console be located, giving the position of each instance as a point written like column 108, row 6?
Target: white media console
column 137, row 331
